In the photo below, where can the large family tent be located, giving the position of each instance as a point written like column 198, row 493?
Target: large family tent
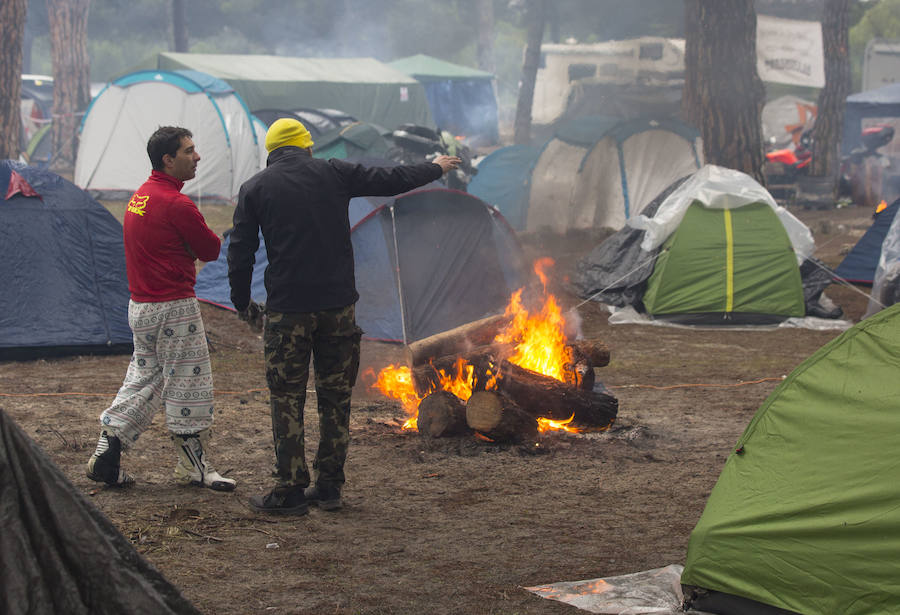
column 362, row 87
column 462, row 99
column 599, row 171
column 504, row 181
column 426, row 261
column 804, row 516
column 59, row 553
column 62, row 269
column 112, row 151
column 860, row 263
column 713, row 249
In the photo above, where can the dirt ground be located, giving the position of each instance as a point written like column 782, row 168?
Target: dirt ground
column 436, row 526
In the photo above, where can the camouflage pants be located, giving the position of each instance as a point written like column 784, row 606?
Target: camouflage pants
column 332, row 338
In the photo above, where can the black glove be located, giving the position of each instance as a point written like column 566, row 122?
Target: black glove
column 254, row 315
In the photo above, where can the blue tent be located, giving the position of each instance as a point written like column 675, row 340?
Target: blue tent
column 860, row 263
column 504, row 181
column 461, row 99
column 62, row 268
column 426, row 261
column 879, row 104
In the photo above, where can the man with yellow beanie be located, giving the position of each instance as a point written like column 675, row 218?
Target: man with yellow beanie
column 301, row 205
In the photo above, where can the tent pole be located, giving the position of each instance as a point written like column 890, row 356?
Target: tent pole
column 397, row 270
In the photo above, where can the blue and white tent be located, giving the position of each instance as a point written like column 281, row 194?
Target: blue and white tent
column 426, row 261
column 599, row 171
column 112, row 152
column 62, row 269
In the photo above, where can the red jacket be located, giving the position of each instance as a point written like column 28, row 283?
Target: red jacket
column 164, row 233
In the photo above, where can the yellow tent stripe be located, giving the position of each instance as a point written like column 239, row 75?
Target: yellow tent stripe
column 729, row 262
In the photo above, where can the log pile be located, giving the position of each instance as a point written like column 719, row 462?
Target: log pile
column 507, row 399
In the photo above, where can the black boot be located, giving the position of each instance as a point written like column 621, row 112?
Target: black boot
column 325, row 497
column 281, row 500
column 104, row 466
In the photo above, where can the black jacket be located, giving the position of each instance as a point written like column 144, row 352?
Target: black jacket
column 301, row 204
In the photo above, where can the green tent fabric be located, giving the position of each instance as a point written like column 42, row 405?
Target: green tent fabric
column 426, row 68
column 728, row 264
column 351, row 141
column 367, row 89
column 805, row 514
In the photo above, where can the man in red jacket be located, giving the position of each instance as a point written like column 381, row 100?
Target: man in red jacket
column 164, row 234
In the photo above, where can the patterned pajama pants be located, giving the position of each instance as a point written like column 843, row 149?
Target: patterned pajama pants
column 169, row 368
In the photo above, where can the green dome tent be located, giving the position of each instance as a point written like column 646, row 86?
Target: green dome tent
column 804, row 516
column 712, row 249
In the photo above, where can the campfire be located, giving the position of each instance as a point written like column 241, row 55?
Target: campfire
column 505, row 378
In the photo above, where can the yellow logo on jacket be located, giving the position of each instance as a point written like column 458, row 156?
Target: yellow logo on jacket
column 138, row 204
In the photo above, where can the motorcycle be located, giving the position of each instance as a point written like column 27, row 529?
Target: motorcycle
column 414, row 143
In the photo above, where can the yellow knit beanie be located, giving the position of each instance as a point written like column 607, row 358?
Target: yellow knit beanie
column 287, row 131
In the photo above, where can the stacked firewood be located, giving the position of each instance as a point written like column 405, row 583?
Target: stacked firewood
column 507, row 399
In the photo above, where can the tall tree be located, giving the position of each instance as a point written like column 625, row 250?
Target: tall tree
column 71, row 75
column 12, row 32
column 179, row 27
column 723, row 94
column 535, row 18
column 830, row 115
column 485, row 12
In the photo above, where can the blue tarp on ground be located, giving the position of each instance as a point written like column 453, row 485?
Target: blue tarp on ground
column 62, row 269
column 861, row 262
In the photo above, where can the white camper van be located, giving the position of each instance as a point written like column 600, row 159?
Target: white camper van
column 564, row 67
column 881, row 63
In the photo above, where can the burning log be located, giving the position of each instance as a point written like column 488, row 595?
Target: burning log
column 442, row 414
column 498, row 417
column 427, row 378
column 543, row 396
column 455, row 342
column 594, row 352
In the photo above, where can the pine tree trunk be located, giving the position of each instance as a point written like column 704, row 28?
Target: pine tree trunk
column 71, row 75
column 179, row 27
column 723, row 94
column 12, row 31
column 485, row 12
column 830, row 114
column 535, row 16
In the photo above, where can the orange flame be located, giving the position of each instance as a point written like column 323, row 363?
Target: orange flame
column 462, row 382
column 539, row 343
column 540, row 340
column 550, row 424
